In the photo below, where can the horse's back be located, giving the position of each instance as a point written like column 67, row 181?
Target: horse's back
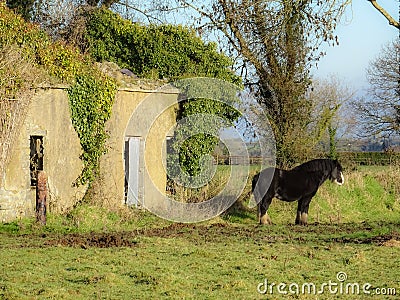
column 286, row 185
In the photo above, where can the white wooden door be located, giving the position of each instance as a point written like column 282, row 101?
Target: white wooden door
column 133, row 171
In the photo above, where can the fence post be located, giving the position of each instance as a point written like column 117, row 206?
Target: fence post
column 41, row 197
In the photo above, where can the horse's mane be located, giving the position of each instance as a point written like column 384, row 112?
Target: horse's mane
column 317, row 165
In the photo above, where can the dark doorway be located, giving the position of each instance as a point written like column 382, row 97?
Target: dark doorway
column 36, row 157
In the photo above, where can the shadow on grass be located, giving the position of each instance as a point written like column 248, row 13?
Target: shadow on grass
column 240, row 213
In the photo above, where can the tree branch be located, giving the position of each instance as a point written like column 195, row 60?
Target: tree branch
column 388, row 17
column 149, row 17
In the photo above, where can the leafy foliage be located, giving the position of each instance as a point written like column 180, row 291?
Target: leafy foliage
column 91, row 104
column 164, row 51
column 91, row 93
column 59, row 60
column 209, row 106
column 172, row 52
column 14, row 30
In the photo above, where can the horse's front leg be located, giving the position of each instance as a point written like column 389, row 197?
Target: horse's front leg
column 262, row 208
column 302, row 211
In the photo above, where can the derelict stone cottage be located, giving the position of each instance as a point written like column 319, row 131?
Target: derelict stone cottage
column 132, row 171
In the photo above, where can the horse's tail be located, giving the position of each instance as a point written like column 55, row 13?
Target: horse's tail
column 255, row 193
column 254, row 182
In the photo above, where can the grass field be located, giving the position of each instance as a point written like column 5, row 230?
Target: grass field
column 95, row 253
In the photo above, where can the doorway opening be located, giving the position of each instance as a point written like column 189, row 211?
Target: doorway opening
column 36, row 157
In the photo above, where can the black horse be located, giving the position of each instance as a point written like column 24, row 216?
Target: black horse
column 300, row 183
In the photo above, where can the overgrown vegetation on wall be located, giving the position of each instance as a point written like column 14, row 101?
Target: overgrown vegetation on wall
column 153, row 51
column 156, row 52
column 91, row 104
column 211, row 106
column 16, row 78
column 91, row 93
column 163, row 52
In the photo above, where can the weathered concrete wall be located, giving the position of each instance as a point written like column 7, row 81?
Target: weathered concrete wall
column 135, row 113
column 48, row 116
column 148, row 116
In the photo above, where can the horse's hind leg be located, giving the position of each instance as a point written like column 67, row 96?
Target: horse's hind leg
column 262, row 208
column 301, row 218
column 298, row 215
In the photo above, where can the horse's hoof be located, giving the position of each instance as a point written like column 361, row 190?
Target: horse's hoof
column 300, row 223
column 265, row 220
column 268, row 223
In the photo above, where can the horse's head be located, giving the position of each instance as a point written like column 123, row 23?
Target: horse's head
column 337, row 173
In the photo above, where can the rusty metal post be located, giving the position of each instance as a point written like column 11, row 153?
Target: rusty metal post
column 41, row 197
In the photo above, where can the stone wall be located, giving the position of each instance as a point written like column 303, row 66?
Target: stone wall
column 49, row 117
column 149, row 116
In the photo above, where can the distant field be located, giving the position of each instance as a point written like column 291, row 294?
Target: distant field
column 352, row 246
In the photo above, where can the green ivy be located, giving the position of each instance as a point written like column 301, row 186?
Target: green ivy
column 155, row 51
column 91, row 100
column 210, row 106
column 91, row 93
column 172, row 52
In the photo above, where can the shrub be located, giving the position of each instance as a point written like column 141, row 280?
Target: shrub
column 155, row 51
column 172, row 52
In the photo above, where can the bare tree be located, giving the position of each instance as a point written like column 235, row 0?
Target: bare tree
column 55, row 16
column 104, row 3
column 331, row 99
column 379, row 114
column 275, row 44
column 388, row 16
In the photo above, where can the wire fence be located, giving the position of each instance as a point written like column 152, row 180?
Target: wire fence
column 346, row 158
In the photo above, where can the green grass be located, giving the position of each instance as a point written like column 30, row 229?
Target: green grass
column 354, row 229
column 198, row 262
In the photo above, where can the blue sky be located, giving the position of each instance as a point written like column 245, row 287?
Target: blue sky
column 362, row 33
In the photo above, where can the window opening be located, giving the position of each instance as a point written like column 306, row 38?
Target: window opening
column 36, row 157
